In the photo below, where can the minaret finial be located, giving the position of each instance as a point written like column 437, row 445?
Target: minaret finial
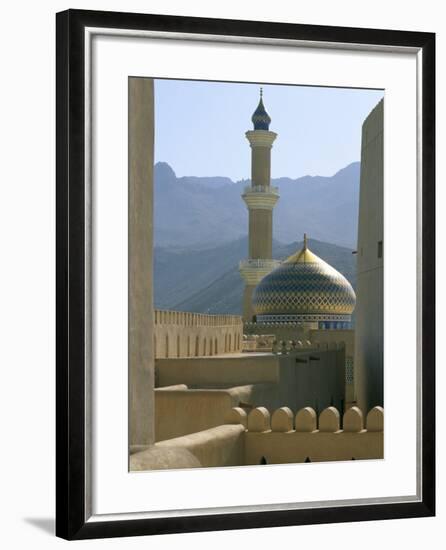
column 305, row 241
column 261, row 118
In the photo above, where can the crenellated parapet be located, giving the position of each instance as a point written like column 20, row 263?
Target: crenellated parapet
column 259, row 437
column 181, row 334
column 190, row 319
column 258, row 342
column 285, row 437
column 288, row 347
column 307, row 421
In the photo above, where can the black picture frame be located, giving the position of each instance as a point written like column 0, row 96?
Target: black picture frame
column 71, row 520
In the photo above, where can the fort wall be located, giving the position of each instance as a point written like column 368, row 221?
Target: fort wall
column 369, row 357
column 298, row 375
column 282, row 331
column 183, row 334
column 225, row 371
column 220, row 446
column 347, row 336
column 280, row 438
column 283, row 437
column 140, row 267
column 180, row 411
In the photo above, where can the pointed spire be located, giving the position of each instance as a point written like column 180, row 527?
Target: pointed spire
column 305, row 241
column 261, row 118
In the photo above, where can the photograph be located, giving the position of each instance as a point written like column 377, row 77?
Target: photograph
column 245, row 318
column 263, row 228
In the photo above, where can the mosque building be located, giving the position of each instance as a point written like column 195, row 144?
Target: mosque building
column 303, row 290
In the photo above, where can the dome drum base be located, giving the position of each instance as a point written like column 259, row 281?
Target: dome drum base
column 323, row 321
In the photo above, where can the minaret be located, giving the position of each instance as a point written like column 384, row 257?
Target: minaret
column 260, row 198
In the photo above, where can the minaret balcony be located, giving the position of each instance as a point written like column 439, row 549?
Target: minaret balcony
column 261, row 138
column 253, row 270
column 260, row 196
column 261, row 189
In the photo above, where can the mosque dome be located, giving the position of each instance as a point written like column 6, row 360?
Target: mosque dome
column 260, row 117
column 303, row 289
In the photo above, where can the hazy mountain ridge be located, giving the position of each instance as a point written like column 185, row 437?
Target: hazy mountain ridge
column 194, row 211
column 208, row 281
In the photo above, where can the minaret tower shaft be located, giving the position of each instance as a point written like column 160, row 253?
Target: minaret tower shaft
column 260, row 198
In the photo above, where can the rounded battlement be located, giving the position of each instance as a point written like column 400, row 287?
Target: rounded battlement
column 353, row 420
column 259, row 420
column 375, row 420
column 282, row 420
column 306, row 420
column 329, row 420
column 237, row 415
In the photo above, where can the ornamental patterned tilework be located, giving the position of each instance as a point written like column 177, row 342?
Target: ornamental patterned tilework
column 324, row 320
column 349, row 372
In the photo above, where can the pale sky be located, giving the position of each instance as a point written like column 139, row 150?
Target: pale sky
column 200, row 127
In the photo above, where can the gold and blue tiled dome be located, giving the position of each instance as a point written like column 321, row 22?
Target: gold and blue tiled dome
column 305, row 289
column 260, row 117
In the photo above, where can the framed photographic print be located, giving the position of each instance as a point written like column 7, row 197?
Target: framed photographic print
column 245, row 274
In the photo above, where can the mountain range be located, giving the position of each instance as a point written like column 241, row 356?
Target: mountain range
column 209, row 211
column 200, row 233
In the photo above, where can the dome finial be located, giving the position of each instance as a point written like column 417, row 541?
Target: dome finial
column 305, row 241
column 261, row 92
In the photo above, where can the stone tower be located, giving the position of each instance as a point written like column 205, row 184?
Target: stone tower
column 369, row 329
column 260, row 198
